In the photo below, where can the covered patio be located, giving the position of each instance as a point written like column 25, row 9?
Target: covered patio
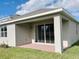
column 42, row 33
column 43, row 47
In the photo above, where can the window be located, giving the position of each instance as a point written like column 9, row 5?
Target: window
column 3, row 31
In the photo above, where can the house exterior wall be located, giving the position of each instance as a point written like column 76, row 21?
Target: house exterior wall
column 66, row 32
column 10, row 39
column 23, row 35
column 70, row 35
column 73, row 35
column 78, row 30
column 58, row 32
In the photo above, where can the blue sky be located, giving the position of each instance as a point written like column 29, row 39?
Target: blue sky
column 8, row 7
column 21, row 7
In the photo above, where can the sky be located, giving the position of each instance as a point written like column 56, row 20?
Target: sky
column 9, row 7
column 21, row 7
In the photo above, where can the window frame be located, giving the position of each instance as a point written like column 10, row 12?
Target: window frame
column 3, row 31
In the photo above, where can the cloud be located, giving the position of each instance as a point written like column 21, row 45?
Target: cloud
column 71, row 5
column 32, row 5
column 1, row 17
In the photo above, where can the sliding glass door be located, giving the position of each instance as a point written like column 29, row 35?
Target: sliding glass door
column 40, row 33
column 45, row 33
column 49, row 33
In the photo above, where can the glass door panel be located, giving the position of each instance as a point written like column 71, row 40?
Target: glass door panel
column 49, row 33
column 47, row 30
column 40, row 33
column 52, row 33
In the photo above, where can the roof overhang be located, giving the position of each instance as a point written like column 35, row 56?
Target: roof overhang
column 59, row 10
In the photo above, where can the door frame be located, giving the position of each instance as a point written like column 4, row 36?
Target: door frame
column 36, row 35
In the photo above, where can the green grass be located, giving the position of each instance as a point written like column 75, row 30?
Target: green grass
column 23, row 53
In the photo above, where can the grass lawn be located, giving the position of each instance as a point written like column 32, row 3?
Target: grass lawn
column 23, row 53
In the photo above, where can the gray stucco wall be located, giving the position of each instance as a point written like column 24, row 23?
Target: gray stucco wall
column 78, row 30
column 23, row 35
column 10, row 39
column 65, row 31
column 73, row 35
column 70, row 35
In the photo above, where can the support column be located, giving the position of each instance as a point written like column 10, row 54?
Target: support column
column 58, row 33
